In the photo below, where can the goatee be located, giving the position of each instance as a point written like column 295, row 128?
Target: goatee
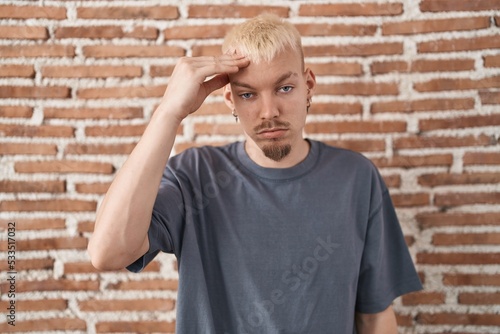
column 277, row 151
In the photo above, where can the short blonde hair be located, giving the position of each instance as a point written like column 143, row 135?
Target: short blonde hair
column 262, row 38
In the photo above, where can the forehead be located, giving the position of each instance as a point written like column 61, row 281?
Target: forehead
column 285, row 64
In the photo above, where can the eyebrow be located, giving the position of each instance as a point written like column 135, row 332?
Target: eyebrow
column 282, row 78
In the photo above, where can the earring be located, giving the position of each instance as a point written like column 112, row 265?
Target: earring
column 235, row 115
column 308, row 105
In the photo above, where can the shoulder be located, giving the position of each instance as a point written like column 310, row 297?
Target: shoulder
column 345, row 157
column 203, row 157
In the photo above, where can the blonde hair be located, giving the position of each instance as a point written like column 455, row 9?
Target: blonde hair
column 262, row 38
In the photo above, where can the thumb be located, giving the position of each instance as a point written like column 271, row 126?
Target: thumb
column 216, row 82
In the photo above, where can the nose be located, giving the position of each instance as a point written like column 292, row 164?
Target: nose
column 268, row 108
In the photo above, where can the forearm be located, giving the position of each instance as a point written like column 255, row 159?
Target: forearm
column 377, row 323
column 123, row 218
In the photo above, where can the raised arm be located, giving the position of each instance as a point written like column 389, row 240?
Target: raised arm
column 377, row 323
column 123, row 218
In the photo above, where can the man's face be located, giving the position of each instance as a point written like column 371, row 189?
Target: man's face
column 270, row 99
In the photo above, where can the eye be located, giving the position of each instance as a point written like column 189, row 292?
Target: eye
column 246, row 96
column 286, row 89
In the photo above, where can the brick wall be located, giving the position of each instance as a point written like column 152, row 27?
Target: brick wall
column 414, row 85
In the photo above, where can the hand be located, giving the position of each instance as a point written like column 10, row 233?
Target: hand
column 188, row 86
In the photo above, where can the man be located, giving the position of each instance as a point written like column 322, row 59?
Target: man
column 276, row 234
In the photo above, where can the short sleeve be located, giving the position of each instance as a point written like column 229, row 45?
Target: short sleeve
column 166, row 222
column 387, row 270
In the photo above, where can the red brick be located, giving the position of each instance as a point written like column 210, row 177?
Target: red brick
column 16, row 111
column 23, row 32
column 38, row 149
column 410, row 200
column 60, row 131
column 457, row 84
column 161, row 71
column 441, row 141
column 479, row 298
column 115, row 130
column 404, row 320
column 392, row 181
column 456, row 199
column 128, row 13
column 63, row 205
column 197, row 32
column 443, row 179
column 86, row 226
column 143, row 326
column 121, row 92
column 438, row 219
column 206, row 50
column 458, row 258
column 492, row 61
column 9, row 92
column 39, row 305
column 424, row 298
column 32, row 12
column 333, row 108
column 453, row 239
column 452, row 5
column 359, row 145
column 35, row 224
column 92, row 188
column 60, row 284
column 357, row 88
column 145, row 284
column 422, row 66
column 352, row 9
column 460, row 44
column 413, row 161
column 481, row 158
column 30, row 264
column 459, row 123
column 106, row 32
column 63, row 166
column 50, row 244
column 356, row 127
column 490, row 97
column 129, row 51
column 20, row 71
column 337, row 68
column 9, row 186
column 93, row 113
column 48, row 324
column 108, row 149
column 458, row 279
column 423, row 105
column 354, row 50
column 124, row 305
column 91, row 71
column 438, row 25
column 36, row 51
column 211, row 11
column 482, row 319
column 324, row 29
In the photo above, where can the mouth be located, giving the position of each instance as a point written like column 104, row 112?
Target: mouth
column 272, row 133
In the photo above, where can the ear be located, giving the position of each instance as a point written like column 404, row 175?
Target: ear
column 228, row 96
column 310, row 82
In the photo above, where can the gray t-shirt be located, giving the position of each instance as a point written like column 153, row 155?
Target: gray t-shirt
column 262, row 250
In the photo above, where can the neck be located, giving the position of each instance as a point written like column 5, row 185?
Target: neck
column 299, row 152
